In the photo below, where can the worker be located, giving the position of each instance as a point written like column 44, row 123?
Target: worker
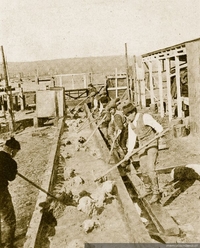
column 145, row 127
column 92, row 91
column 118, row 129
column 98, row 103
column 8, row 171
column 104, row 113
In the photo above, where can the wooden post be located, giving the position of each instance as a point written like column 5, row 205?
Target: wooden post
column 131, row 88
column 21, row 97
column 160, row 88
column 178, row 86
column 127, row 74
column 169, row 97
column 134, row 79
column 116, row 91
column 142, row 92
column 151, row 82
column 2, row 106
column 138, row 92
column 9, row 95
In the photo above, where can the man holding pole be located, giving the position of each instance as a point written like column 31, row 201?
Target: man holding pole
column 118, row 129
column 144, row 127
column 8, row 171
column 92, row 91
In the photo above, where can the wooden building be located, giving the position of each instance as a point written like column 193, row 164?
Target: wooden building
column 172, row 81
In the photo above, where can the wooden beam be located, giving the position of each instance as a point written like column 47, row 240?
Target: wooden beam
column 9, row 94
column 126, row 206
column 134, row 79
column 131, row 89
column 160, row 217
column 160, row 83
column 150, row 92
column 164, row 54
column 142, row 93
column 151, row 82
column 127, row 74
column 169, row 97
column 179, row 100
column 116, row 91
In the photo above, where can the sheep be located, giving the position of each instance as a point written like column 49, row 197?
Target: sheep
column 104, row 192
column 89, row 225
column 86, row 205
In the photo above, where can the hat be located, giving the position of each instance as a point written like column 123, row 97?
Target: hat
column 129, row 108
column 104, row 99
column 13, row 143
column 90, row 85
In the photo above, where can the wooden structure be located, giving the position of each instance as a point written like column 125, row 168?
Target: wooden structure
column 75, row 85
column 50, row 104
column 72, row 81
column 116, row 84
column 172, row 81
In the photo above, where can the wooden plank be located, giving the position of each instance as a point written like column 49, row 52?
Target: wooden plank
column 160, row 88
column 134, row 79
column 193, row 62
column 125, row 203
column 169, row 97
column 116, row 92
column 179, row 100
column 160, row 217
column 151, row 82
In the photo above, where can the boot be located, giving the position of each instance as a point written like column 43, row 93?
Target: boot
column 155, row 198
column 147, row 186
column 155, row 188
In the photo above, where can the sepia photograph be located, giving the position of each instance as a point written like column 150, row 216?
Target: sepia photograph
column 100, row 124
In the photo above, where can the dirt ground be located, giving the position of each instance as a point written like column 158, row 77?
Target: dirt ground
column 87, row 163
column 32, row 158
column 185, row 209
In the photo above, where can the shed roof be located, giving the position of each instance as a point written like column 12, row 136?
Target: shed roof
column 169, row 48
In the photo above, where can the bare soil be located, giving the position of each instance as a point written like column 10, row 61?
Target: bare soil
column 185, row 209
column 32, row 159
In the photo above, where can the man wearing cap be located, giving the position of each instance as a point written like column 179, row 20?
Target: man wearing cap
column 145, row 127
column 92, row 91
column 118, row 128
column 8, row 171
column 104, row 113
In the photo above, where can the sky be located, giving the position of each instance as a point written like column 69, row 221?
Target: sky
column 33, row 30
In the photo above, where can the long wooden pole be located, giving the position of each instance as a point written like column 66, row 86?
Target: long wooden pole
column 132, row 153
column 127, row 74
column 38, row 187
column 9, row 94
column 134, row 80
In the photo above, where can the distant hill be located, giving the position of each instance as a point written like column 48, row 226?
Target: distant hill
column 106, row 65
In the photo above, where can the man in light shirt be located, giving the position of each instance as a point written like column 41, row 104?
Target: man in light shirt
column 144, row 127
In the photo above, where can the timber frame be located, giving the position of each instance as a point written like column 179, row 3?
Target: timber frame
column 163, row 65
